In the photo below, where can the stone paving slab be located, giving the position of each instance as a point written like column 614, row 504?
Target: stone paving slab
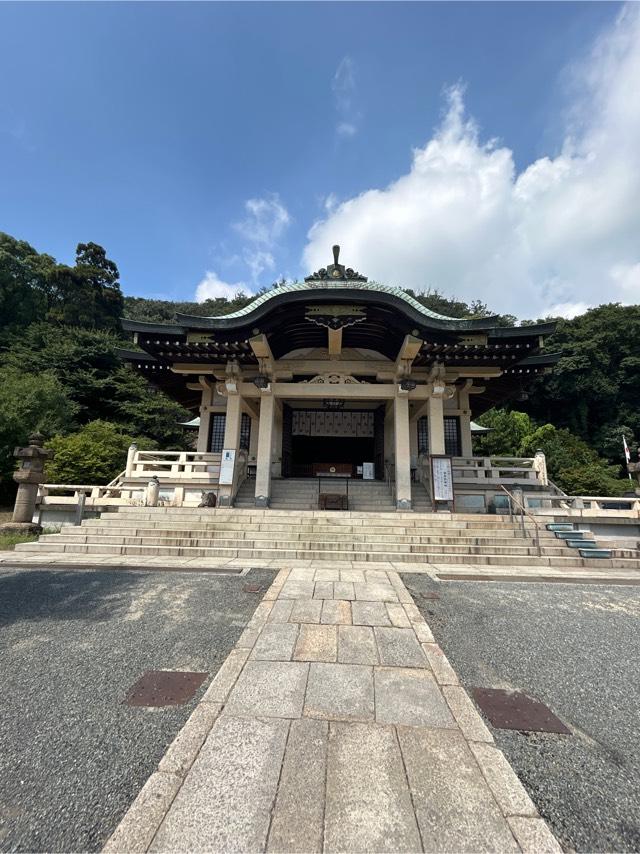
column 225, row 802
column 399, row 648
column 409, row 698
column 454, row 807
column 269, row 688
column 306, row 611
column 336, row 611
column 340, row 692
column 276, row 642
column 368, row 803
column 370, row 614
column 298, row 818
column 357, row 645
column 363, row 742
column 316, row 643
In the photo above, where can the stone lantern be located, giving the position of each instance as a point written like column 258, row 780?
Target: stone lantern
column 28, row 477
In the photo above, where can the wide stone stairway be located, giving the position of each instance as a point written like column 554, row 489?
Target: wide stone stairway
column 400, row 537
column 302, row 494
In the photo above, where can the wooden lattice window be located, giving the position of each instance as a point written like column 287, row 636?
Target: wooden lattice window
column 216, row 433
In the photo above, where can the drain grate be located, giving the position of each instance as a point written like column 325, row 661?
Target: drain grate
column 164, row 688
column 514, row 710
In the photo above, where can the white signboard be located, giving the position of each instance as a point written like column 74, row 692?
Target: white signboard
column 226, row 467
column 368, row 471
column 442, row 478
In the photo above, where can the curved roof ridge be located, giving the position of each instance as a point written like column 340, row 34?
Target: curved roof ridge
column 294, row 287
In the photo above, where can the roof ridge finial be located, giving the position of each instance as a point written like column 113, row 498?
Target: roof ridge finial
column 336, row 271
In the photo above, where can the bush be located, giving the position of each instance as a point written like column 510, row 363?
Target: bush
column 93, row 455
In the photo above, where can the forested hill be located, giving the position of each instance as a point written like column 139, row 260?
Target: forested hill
column 60, row 327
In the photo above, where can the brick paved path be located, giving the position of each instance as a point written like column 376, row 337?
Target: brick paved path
column 337, row 724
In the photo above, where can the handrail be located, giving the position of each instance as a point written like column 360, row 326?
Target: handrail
column 116, row 480
column 524, row 512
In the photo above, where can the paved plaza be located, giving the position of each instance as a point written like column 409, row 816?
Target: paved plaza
column 335, row 724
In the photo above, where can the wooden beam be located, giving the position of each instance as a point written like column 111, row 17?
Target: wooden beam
column 262, row 351
column 335, row 342
column 410, row 348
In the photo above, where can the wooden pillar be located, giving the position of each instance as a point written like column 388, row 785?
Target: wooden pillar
column 263, row 462
column 206, row 402
column 436, row 424
column 402, row 452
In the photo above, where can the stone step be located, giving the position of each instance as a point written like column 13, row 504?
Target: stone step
column 510, row 537
column 278, row 531
column 343, row 519
column 364, row 557
column 285, row 545
column 394, row 516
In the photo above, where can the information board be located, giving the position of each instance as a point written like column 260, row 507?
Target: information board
column 368, row 471
column 442, row 478
column 227, row 463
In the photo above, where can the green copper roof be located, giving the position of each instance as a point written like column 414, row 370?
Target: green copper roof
column 329, row 285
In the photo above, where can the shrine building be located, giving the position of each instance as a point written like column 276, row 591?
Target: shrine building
column 338, row 377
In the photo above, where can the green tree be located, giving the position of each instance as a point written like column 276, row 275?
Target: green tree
column 508, row 432
column 572, row 464
column 28, row 403
column 86, row 364
column 23, row 283
column 595, row 383
column 93, row 455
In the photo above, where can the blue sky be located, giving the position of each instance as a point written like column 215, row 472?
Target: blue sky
column 200, row 143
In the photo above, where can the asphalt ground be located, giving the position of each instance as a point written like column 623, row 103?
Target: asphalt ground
column 577, row 649
column 72, row 755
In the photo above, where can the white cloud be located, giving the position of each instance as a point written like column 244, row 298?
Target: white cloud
column 562, row 233
column 213, row 287
column 265, row 222
column 343, row 86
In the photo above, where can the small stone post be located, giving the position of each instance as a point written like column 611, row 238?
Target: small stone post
column 28, row 477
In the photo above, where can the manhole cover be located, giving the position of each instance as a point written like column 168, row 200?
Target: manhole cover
column 514, row 710
column 164, row 688
column 251, row 588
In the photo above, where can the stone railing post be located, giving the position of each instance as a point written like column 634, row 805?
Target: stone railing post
column 540, row 466
column 131, row 458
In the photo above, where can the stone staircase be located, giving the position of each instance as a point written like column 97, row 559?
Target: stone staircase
column 302, row 494
column 299, row 534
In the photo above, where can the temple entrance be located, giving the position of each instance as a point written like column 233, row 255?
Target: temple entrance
column 326, row 442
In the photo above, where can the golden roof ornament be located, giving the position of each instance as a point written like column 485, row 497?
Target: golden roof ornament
column 336, row 271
